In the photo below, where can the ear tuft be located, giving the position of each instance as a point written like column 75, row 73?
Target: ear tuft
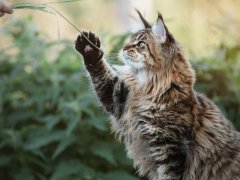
column 159, row 29
column 160, row 16
column 144, row 21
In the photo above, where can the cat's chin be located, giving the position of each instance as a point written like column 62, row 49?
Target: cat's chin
column 132, row 63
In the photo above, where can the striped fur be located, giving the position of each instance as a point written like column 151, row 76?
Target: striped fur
column 170, row 131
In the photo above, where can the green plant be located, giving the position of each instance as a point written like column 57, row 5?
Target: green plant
column 218, row 77
column 50, row 125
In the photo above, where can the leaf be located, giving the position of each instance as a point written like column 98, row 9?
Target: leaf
column 23, row 174
column 5, row 160
column 72, row 125
column 42, row 138
column 119, row 175
column 50, row 121
column 104, row 150
column 49, row 117
column 39, row 7
column 66, row 142
column 70, row 167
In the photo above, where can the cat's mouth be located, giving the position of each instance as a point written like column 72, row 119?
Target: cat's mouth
column 133, row 62
column 128, row 56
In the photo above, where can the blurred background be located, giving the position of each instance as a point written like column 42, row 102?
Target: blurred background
column 50, row 124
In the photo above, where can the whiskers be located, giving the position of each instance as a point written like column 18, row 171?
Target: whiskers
column 114, row 58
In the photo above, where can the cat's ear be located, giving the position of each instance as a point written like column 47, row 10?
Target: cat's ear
column 159, row 29
column 144, row 21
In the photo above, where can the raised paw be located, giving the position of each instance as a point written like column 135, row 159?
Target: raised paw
column 89, row 46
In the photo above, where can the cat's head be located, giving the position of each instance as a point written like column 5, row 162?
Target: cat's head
column 152, row 46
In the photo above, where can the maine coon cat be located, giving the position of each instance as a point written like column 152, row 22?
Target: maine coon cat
column 170, row 131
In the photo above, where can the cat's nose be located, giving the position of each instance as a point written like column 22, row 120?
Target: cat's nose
column 127, row 46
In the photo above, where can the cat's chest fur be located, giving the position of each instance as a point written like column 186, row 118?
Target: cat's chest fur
column 131, row 129
column 152, row 130
column 143, row 122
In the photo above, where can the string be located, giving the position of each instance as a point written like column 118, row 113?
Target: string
column 46, row 5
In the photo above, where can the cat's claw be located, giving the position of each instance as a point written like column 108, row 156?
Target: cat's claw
column 89, row 46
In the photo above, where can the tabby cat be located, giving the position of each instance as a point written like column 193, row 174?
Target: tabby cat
column 170, row 131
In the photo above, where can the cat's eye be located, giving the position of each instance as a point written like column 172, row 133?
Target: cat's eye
column 141, row 44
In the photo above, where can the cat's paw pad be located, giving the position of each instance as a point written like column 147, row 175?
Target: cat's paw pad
column 88, row 49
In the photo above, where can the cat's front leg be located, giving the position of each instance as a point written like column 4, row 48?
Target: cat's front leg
column 110, row 90
column 165, row 149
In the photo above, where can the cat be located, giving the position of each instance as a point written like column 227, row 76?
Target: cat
column 169, row 130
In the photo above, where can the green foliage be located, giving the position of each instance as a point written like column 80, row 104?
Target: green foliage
column 51, row 127
column 219, row 78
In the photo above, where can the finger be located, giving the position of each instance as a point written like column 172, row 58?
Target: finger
column 6, row 8
column 1, row 6
column 1, row 13
column 9, row 11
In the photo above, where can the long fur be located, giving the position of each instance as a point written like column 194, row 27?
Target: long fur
column 170, row 131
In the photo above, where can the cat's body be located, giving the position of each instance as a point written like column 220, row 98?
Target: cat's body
column 170, row 131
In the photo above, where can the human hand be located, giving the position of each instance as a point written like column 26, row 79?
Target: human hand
column 5, row 7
